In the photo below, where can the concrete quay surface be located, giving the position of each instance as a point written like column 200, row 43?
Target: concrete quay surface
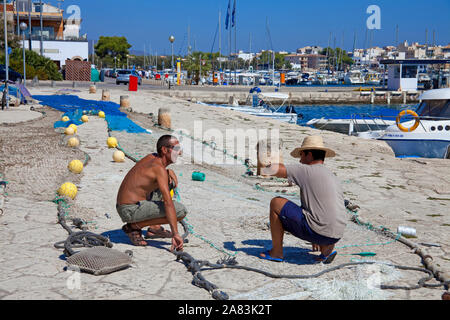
column 228, row 214
column 297, row 94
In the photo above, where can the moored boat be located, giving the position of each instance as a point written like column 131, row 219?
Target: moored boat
column 428, row 135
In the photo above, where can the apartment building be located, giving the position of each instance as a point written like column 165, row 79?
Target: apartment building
column 307, row 62
column 59, row 36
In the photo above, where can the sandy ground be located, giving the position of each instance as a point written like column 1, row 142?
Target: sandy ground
column 227, row 212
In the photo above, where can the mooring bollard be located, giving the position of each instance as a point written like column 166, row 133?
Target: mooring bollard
column 164, row 118
column 232, row 101
column 372, row 97
column 124, row 101
column 404, row 97
column 52, row 83
column 105, row 95
column 268, row 152
column 92, row 88
column 74, row 84
column 388, row 97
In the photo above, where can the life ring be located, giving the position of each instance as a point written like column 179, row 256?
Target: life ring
column 403, row 128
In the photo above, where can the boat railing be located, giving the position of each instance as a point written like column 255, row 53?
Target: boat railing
column 369, row 121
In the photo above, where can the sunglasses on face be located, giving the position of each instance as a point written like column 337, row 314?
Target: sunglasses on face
column 175, row 148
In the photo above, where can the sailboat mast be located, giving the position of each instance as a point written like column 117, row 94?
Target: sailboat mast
column 220, row 44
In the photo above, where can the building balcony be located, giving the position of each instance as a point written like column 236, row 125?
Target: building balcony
column 37, row 37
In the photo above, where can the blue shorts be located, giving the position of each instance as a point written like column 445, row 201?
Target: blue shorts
column 294, row 221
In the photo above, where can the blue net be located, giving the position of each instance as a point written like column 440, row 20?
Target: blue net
column 75, row 107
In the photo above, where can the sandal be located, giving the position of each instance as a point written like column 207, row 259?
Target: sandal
column 135, row 236
column 326, row 259
column 160, row 233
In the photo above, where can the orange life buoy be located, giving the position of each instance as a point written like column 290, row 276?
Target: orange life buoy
column 403, row 128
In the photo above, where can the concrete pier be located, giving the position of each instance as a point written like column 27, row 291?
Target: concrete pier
column 297, row 97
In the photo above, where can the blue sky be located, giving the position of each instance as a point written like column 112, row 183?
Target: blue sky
column 292, row 23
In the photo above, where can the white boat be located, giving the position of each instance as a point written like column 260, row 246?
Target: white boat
column 354, row 77
column 373, row 78
column 431, row 139
column 356, row 123
column 263, row 106
column 351, row 126
column 423, row 77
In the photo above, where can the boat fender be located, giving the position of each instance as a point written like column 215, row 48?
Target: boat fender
column 403, row 128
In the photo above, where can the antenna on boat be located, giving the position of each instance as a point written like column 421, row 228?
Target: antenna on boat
column 342, row 51
column 396, row 36
column 273, row 52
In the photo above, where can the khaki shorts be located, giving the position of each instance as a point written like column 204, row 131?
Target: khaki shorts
column 147, row 210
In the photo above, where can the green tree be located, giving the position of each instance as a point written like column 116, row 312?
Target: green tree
column 266, row 58
column 337, row 58
column 36, row 65
column 197, row 64
column 109, row 47
column 13, row 39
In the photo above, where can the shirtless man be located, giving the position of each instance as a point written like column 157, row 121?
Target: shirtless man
column 134, row 200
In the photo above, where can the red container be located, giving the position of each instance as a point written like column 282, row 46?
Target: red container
column 133, row 83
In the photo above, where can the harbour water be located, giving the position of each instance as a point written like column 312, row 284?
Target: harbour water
column 308, row 112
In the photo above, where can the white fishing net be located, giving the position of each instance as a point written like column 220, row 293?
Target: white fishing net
column 229, row 216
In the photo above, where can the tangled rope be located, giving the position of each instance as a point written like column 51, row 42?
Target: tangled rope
column 77, row 239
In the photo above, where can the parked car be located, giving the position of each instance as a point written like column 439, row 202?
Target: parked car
column 12, row 75
column 123, row 76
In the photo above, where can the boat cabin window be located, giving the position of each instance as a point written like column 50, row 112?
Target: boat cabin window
column 434, row 108
column 409, row 72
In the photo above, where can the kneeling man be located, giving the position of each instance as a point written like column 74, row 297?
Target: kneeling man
column 135, row 201
column 321, row 217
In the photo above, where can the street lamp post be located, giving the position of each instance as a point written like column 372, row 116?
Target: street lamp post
column 23, row 27
column 172, row 39
column 5, row 98
column 41, row 22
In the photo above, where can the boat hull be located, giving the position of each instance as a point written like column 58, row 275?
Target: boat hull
column 261, row 112
column 418, row 148
column 347, row 126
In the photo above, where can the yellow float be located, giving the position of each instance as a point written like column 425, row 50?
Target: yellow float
column 69, row 131
column 74, row 127
column 118, row 156
column 65, row 118
column 112, row 142
column 73, row 142
column 101, row 114
column 75, row 166
column 68, row 189
column 84, row 118
column 411, row 113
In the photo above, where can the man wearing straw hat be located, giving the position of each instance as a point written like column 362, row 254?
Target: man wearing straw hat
column 321, row 217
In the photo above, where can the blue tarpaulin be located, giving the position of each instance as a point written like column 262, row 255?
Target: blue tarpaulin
column 74, row 107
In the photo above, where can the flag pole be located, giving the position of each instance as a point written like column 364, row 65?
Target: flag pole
column 235, row 41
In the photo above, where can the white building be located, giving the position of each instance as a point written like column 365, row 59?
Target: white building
column 60, row 36
column 245, row 56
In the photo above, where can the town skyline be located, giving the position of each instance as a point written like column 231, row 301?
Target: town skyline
column 265, row 26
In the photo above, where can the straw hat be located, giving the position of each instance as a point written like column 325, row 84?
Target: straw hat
column 313, row 143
